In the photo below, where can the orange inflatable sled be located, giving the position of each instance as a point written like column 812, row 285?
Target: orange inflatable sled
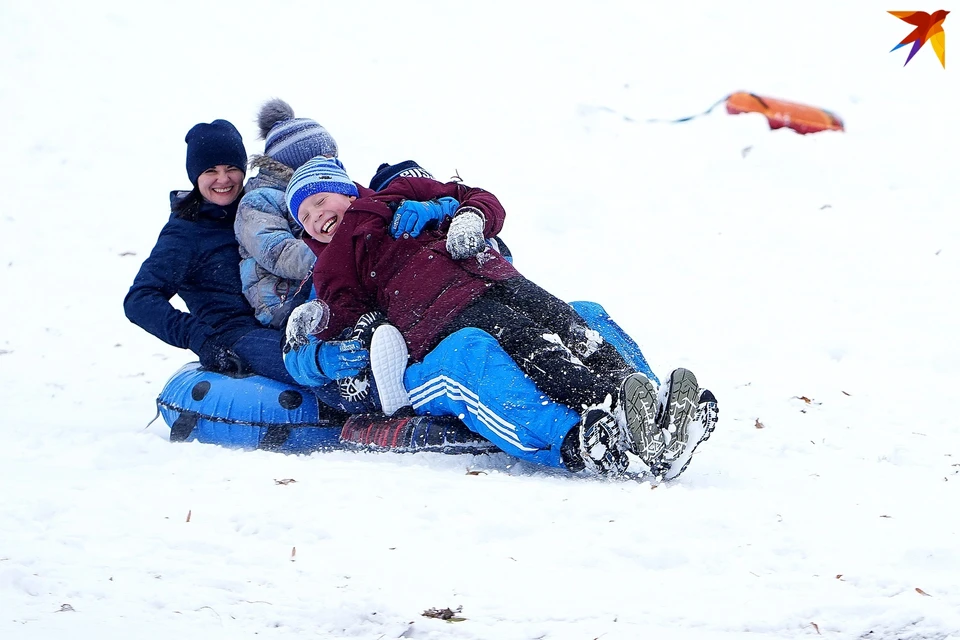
column 780, row 113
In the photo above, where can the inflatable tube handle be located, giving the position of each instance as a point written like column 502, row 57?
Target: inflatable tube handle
column 183, row 426
column 274, row 438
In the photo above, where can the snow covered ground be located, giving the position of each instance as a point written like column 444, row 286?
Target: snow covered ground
column 777, row 266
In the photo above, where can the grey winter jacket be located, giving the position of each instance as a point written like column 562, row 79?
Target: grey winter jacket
column 275, row 264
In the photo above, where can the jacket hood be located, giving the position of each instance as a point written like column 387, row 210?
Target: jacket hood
column 177, row 196
column 205, row 209
column 272, row 174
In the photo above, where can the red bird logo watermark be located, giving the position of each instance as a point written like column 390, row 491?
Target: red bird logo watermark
column 927, row 28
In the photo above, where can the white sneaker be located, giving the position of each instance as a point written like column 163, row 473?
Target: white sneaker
column 388, row 361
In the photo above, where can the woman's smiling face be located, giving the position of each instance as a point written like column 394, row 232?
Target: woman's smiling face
column 221, row 184
column 322, row 213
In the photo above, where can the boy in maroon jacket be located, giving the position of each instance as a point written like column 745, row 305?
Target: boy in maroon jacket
column 447, row 279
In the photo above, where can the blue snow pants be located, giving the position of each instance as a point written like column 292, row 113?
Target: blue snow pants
column 599, row 320
column 470, row 375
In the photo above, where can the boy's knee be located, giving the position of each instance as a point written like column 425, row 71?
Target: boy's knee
column 468, row 343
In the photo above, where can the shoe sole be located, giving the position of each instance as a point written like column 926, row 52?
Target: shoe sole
column 639, row 399
column 680, row 403
column 354, row 388
column 388, row 361
column 600, row 445
column 702, row 426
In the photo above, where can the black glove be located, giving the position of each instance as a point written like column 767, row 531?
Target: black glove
column 216, row 357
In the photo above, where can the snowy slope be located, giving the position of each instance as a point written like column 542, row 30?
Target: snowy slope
column 776, row 266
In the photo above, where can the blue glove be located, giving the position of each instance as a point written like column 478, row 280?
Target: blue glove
column 342, row 358
column 413, row 217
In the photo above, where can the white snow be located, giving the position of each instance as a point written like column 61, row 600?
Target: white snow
column 776, row 266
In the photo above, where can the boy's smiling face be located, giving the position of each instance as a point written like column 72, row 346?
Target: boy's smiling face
column 322, row 213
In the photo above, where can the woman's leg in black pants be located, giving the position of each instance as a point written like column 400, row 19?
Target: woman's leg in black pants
column 549, row 363
column 553, row 313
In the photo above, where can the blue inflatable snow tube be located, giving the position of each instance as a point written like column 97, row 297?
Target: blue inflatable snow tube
column 251, row 412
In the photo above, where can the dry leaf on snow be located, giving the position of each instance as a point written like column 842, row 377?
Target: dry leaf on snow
column 447, row 614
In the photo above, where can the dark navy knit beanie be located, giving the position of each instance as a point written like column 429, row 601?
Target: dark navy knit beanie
column 211, row 144
column 387, row 173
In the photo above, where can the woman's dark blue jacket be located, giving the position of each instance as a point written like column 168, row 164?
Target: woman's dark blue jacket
column 199, row 260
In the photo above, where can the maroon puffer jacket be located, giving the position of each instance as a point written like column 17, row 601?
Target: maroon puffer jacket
column 414, row 281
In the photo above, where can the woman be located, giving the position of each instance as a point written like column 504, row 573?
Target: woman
column 197, row 257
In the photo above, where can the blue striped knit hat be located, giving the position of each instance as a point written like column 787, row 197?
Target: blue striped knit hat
column 295, row 141
column 290, row 140
column 320, row 175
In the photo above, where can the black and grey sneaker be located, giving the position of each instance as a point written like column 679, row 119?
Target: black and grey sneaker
column 638, row 399
column 357, row 388
column 601, row 443
column 677, row 403
column 701, row 427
